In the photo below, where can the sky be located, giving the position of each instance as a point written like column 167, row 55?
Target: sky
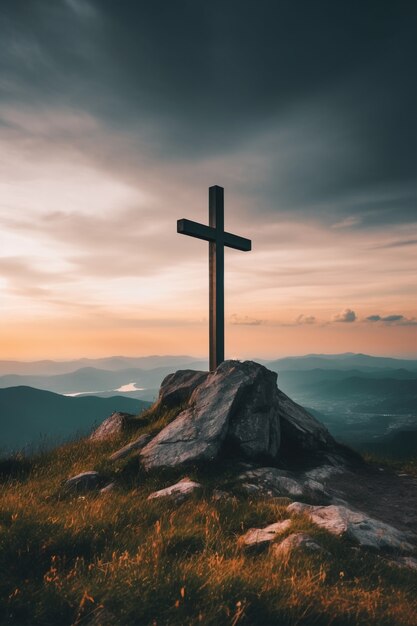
column 116, row 117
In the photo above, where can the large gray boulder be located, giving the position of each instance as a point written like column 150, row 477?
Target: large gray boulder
column 236, row 405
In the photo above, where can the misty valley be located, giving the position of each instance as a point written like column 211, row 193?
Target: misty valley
column 368, row 403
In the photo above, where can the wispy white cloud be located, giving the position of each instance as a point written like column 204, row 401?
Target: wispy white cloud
column 348, row 222
column 245, row 320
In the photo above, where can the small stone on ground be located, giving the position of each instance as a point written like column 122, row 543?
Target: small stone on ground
column 259, row 538
column 86, row 481
column 297, row 541
column 178, row 492
column 114, row 425
column 367, row 531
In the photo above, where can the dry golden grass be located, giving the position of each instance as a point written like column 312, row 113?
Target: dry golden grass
column 120, row 559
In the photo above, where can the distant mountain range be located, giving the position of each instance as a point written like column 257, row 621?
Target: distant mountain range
column 347, row 360
column 30, row 416
column 113, row 363
column 344, row 361
column 357, row 396
column 91, row 379
column 295, row 374
column 367, row 386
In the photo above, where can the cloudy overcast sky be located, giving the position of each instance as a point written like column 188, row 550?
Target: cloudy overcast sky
column 115, row 118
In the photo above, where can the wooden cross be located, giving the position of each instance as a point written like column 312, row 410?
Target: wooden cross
column 217, row 238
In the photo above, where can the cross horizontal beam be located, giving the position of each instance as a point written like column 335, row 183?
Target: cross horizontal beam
column 207, row 233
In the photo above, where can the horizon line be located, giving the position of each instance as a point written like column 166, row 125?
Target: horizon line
column 205, row 358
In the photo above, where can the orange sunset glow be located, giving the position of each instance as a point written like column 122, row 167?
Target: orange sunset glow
column 93, row 178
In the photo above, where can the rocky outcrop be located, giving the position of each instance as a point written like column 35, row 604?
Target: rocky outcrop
column 236, row 410
column 323, row 472
column 271, row 481
column 177, row 493
column 365, row 530
column 299, row 429
column 254, row 428
column 116, row 424
column 236, row 406
column 134, row 446
column 177, row 388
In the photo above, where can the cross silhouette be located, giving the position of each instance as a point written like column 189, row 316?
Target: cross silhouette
column 217, row 238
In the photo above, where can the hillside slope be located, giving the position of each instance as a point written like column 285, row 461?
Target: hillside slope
column 118, row 559
column 28, row 415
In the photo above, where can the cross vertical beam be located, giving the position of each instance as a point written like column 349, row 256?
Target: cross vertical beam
column 216, row 236
column 216, row 274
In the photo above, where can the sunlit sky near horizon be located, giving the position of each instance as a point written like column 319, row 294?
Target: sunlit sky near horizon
column 116, row 117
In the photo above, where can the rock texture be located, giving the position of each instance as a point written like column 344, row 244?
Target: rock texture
column 236, row 405
column 134, row 446
column 271, row 481
column 367, row 531
column 299, row 429
column 86, row 481
column 116, row 424
column 254, row 427
column 259, row 538
column 177, row 388
column 323, row 472
column 297, row 541
column 178, row 492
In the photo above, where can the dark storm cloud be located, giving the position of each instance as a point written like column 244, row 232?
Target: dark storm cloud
column 321, row 95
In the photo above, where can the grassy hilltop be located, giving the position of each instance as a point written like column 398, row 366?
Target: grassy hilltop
column 120, row 559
